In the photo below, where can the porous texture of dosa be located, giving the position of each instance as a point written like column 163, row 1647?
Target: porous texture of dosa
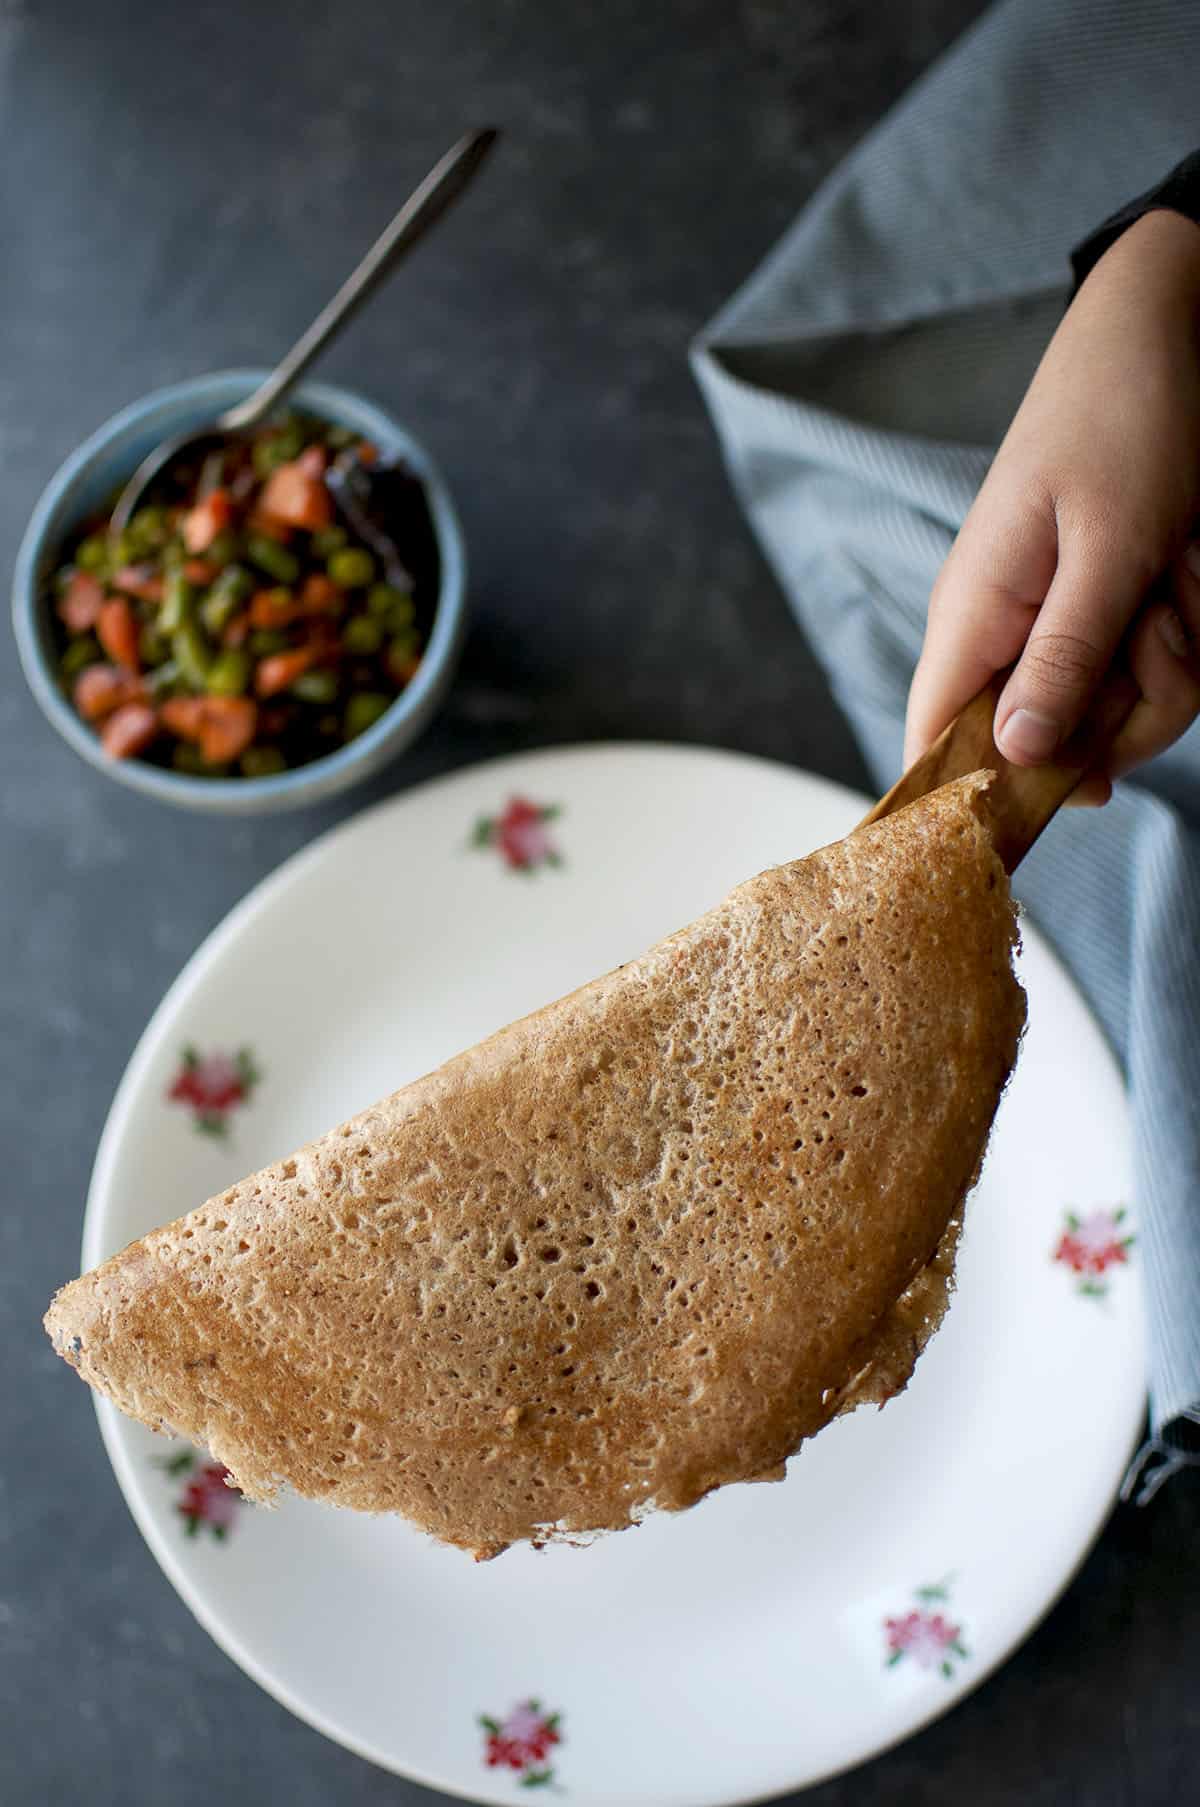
column 631, row 1248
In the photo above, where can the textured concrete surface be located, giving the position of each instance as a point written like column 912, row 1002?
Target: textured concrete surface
column 180, row 188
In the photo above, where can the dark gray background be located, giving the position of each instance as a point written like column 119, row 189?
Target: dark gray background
column 181, row 186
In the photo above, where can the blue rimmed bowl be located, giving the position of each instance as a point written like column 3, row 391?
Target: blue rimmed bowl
column 89, row 477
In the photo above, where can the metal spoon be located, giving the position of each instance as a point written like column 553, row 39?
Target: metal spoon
column 440, row 189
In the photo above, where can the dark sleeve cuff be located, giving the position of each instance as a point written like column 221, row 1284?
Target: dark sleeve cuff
column 1180, row 192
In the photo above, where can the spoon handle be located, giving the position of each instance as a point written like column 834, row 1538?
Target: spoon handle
column 440, row 189
column 1022, row 799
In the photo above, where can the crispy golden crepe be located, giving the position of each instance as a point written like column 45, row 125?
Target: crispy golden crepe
column 634, row 1247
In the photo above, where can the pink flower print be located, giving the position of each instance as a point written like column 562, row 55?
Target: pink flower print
column 520, row 835
column 522, row 1743
column 206, row 1499
column 214, row 1086
column 925, row 1635
column 1090, row 1245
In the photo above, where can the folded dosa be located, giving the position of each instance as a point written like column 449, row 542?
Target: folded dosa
column 633, row 1247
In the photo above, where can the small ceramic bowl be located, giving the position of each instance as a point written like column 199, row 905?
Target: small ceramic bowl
column 99, row 467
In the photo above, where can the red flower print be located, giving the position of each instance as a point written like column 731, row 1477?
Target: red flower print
column 522, row 1743
column 206, row 1498
column 520, row 835
column 1090, row 1245
column 213, row 1086
column 928, row 1637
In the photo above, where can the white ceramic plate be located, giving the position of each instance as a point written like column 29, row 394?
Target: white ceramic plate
column 774, row 1635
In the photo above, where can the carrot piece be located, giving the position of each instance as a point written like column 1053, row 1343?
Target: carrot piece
column 141, row 581
column 294, row 496
column 318, row 592
column 210, row 516
column 278, row 670
column 99, row 689
column 269, row 525
column 200, row 572
column 273, row 608
column 183, row 715
column 222, row 726
column 227, row 727
column 367, row 453
column 117, row 632
column 312, row 461
column 80, row 603
column 129, row 730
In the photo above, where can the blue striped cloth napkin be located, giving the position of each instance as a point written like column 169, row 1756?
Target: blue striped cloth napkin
column 859, row 383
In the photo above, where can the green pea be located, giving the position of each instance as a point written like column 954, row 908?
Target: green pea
column 186, row 758
column 147, row 530
column 267, row 640
column 229, row 673
column 315, row 686
column 329, row 539
column 364, row 708
column 390, row 603
column 273, row 558
column 192, row 653
column 262, row 762
column 351, row 568
column 402, row 648
column 152, row 648
column 80, row 653
column 362, row 635
column 179, row 601
column 92, row 553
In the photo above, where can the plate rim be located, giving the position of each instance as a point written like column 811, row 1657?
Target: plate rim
column 111, row 1422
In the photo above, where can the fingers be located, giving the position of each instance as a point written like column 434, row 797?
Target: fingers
column 1163, row 654
column 983, row 605
column 1096, row 591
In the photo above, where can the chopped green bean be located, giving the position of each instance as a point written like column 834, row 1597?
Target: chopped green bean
column 315, row 686
column 273, row 558
column 229, row 673
column 152, row 647
column 178, row 603
column 223, row 549
column 192, row 654
column 364, row 708
column 267, row 640
column 225, row 598
column 164, row 677
column 351, row 568
column 338, row 438
column 81, row 652
column 362, row 635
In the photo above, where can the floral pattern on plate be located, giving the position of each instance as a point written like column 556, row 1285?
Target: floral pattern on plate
column 1090, row 1245
column 205, row 1499
column 213, row 1086
column 520, row 835
column 522, row 1742
column 924, row 1636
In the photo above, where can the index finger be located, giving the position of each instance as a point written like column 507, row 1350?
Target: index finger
column 983, row 606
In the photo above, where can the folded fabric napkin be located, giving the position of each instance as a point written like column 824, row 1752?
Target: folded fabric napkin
column 860, row 382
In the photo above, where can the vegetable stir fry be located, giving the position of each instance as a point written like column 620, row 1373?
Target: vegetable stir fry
column 265, row 606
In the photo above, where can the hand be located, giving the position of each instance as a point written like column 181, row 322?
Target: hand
column 1081, row 536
